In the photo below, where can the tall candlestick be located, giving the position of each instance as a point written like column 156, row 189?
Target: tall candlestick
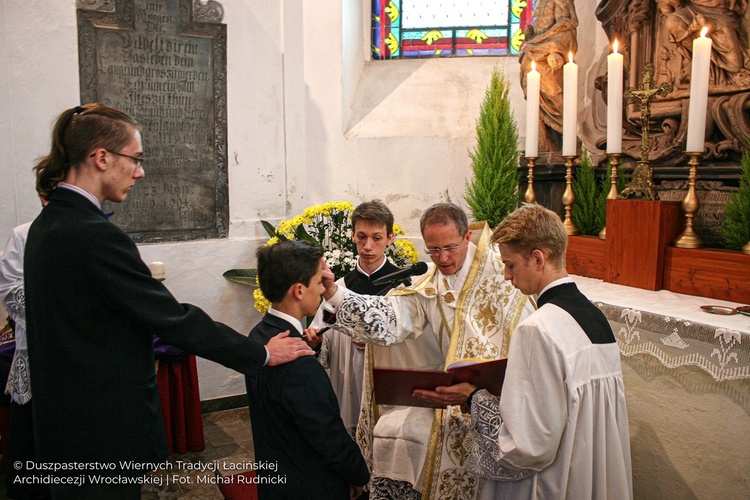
column 570, row 106
column 699, row 92
column 532, row 112
column 614, row 102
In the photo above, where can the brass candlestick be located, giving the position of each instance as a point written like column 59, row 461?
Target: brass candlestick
column 569, row 198
column 530, row 196
column 614, row 162
column 690, row 205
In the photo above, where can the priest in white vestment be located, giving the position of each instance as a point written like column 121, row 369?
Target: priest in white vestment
column 460, row 308
column 559, row 430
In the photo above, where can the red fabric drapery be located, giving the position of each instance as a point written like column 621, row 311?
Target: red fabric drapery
column 181, row 405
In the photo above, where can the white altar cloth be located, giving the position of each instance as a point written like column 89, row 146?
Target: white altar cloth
column 664, row 302
column 687, row 384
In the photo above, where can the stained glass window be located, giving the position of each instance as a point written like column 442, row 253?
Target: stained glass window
column 441, row 28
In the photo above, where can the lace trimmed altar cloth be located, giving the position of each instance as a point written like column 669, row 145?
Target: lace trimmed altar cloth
column 686, row 377
column 674, row 329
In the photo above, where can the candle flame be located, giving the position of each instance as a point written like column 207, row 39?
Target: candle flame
column 704, row 31
column 614, row 47
column 570, row 57
column 533, row 65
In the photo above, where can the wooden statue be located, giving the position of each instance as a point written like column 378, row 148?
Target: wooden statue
column 548, row 42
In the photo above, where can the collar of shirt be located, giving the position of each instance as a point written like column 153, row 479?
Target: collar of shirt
column 376, row 270
column 559, row 281
column 87, row 194
column 291, row 319
column 456, row 281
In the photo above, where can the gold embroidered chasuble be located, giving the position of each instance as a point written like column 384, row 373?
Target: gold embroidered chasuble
column 432, row 325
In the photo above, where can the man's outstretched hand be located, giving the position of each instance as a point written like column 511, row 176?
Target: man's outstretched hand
column 283, row 349
column 329, row 282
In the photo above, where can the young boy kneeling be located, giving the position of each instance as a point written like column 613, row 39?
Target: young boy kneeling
column 297, row 430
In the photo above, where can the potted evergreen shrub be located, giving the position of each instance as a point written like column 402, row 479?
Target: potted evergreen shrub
column 587, row 212
column 736, row 230
column 492, row 192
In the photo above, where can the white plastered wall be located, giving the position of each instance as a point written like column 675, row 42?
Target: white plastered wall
column 310, row 120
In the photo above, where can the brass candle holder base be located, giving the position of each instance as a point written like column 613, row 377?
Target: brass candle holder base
column 614, row 162
column 529, row 196
column 690, row 205
column 569, row 198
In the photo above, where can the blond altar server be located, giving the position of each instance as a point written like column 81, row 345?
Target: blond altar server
column 560, row 428
column 460, row 308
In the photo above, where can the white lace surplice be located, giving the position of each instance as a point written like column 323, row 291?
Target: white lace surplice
column 560, row 427
column 13, row 299
column 344, row 364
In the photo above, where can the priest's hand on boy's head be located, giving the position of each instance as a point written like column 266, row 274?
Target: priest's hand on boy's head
column 329, row 282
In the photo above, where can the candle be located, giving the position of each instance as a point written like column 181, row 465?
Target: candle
column 614, row 101
column 570, row 106
column 157, row 270
column 699, row 92
column 532, row 112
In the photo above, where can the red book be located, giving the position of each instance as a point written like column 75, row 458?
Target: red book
column 394, row 386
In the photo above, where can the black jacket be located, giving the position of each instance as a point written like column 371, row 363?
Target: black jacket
column 296, row 424
column 92, row 310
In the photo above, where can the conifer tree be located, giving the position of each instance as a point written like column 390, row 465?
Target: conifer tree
column 587, row 209
column 736, row 230
column 493, row 191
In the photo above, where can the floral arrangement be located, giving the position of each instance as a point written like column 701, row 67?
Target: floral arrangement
column 328, row 225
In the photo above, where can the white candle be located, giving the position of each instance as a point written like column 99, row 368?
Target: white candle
column 570, row 106
column 699, row 92
column 532, row 112
column 157, row 270
column 614, row 101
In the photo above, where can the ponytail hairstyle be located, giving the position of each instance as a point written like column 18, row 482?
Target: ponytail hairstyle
column 78, row 131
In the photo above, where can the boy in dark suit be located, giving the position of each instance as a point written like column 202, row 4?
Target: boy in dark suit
column 297, row 430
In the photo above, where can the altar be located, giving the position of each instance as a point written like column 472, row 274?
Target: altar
column 687, row 383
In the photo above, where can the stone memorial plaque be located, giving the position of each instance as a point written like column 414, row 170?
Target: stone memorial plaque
column 164, row 63
column 713, row 197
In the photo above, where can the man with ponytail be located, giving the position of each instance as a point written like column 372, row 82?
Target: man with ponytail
column 92, row 310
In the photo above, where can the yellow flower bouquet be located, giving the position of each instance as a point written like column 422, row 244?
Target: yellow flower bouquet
column 328, row 225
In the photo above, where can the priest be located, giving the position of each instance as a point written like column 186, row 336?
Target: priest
column 460, row 308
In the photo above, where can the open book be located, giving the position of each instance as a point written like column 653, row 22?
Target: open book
column 394, row 386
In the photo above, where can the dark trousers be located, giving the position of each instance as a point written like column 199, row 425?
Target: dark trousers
column 20, row 451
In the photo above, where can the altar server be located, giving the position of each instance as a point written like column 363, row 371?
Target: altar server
column 372, row 232
column 560, row 427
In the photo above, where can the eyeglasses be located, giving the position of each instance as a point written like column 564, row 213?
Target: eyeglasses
column 449, row 250
column 137, row 159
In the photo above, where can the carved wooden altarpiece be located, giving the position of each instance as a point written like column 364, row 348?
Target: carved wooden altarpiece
column 662, row 32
